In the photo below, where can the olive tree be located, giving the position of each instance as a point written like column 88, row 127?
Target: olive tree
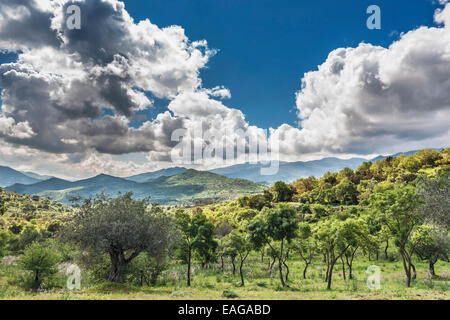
column 431, row 243
column 121, row 227
column 436, row 195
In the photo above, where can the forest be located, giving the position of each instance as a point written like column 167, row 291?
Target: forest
column 378, row 232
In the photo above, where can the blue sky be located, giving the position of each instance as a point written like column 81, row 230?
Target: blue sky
column 266, row 46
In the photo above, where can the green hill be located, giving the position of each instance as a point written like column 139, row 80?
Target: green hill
column 28, row 206
column 186, row 187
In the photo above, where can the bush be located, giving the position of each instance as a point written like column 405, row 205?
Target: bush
column 229, row 294
column 41, row 261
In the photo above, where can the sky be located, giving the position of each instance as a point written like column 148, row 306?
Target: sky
column 106, row 98
column 267, row 46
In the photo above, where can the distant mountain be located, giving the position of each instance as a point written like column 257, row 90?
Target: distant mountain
column 36, row 176
column 144, row 177
column 188, row 186
column 10, row 176
column 408, row 153
column 288, row 171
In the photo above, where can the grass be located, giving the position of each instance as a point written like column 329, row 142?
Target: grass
column 219, row 285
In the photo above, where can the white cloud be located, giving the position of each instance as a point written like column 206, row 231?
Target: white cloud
column 371, row 98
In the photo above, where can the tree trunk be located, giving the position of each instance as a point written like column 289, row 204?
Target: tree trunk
column 386, row 250
column 431, row 269
column 189, row 268
column 271, row 267
column 304, row 270
column 234, row 266
column 330, row 275
column 242, row 275
column 343, row 269
column 222, row 263
column 37, row 281
column 280, row 269
column 287, row 271
column 407, row 268
column 414, row 275
column 350, row 263
column 118, row 265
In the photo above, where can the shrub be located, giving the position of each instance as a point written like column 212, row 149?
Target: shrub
column 40, row 260
column 229, row 294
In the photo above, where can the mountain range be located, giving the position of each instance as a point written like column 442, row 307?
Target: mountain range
column 186, row 187
column 177, row 184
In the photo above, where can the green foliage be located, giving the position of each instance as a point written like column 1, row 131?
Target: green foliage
column 4, row 238
column 41, row 260
column 29, row 207
column 346, row 192
column 279, row 224
column 256, row 202
column 281, row 192
column 398, row 208
column 121, row 227
column 197, row 237
column 145, row 269
column 229, row 294
column 431, row 243
column 237, row 243
column 436, row 194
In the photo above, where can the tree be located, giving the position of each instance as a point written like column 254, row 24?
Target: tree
column 303, row 185
column 4, row 238
column 281, row 192
column 238, row 243
column 346, row 192
column 279, row 224
column 436, row 194
column 2, row 206
column 121, row 227
column 346, row 173
column 306, row 246
column 398, row 208
column 431, row 243
column 334, row 238
column 146, row 268
column 197, row 235
column 41, row 260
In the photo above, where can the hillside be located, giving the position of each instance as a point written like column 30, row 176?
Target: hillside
column 144, row 177
column 27, row 206
column 188, row 186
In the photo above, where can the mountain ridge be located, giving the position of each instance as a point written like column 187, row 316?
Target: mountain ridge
column 188, row 186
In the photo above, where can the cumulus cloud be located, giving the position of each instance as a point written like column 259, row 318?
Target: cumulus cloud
column 64, row 79
column 371, row 98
